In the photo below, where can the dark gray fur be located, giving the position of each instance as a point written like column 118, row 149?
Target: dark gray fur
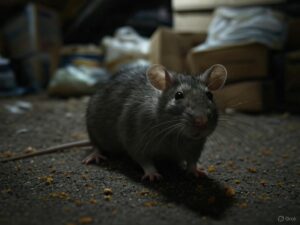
column 128, row 114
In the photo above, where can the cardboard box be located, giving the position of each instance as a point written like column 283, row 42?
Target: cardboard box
column 251, row 96
column 36, row 29
column 293, row 57
column 293, row 38
column 35, row 70
column 181, row 5
column 170, row 48
column 292, row 77
column 242, row 62
column 192, row 21
column 292, row 72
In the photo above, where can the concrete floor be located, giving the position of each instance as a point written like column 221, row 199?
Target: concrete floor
column 252, row 164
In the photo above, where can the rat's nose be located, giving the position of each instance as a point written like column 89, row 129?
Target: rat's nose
column 200, row 121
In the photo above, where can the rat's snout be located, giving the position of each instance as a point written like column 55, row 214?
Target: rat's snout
column 201, row 121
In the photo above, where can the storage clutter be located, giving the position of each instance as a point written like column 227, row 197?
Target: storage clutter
column 247, row 66
column 257, row 43
column 249, row 49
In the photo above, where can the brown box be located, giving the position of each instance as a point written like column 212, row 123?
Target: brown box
column 292, row 72
column 293, row 38
column 36, row 29
column 292, row 77
column 192, row 21
column 293, row 56
column 242, row 62
column 170, row 48
column 251, row 96
column 209, row 4
column 36, row 70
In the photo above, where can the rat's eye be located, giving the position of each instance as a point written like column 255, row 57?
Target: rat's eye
column 209, row 95
column 178, row 95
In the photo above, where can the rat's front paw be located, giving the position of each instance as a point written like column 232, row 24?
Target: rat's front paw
column 94, row 157
column 197, row 172
column 152, row 177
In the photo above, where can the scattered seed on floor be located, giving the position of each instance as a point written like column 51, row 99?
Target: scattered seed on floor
column 150, row 204
column 29, row 150
column 263, row 182
column 93, row 201
column 211, row 169
column 85, row 220
column 47, row 179
column 252, row 170
column 237, row 181
column 107, row 191
column 243, row 205
column 229, row 192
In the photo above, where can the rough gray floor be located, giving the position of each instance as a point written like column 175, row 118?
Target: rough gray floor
column 252, row 164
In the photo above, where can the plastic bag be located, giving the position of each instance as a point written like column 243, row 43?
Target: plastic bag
column 76, row 80
column 237, row 26
column 125, row 47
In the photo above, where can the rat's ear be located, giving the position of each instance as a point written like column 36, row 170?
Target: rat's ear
column 159, row 77
column 214, row 77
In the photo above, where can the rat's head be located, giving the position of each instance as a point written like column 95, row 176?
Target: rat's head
column 186, row 102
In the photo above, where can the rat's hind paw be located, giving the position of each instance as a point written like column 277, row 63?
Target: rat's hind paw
column 94, row 157
column 152, row 177
column 199, row 173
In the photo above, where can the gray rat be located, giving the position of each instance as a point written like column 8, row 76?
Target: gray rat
column 152, row 113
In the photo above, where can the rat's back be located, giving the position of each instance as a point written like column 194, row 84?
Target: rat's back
column 113, row 110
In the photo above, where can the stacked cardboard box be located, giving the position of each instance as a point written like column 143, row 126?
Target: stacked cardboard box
column 292, row 66
column 244, row 62
column 170, row 48
column 293, row 39
column 249, row 87
column 191, row 21
column 33, row 40
column 248, row 96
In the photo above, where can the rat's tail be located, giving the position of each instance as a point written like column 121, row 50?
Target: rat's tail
column 50, row 150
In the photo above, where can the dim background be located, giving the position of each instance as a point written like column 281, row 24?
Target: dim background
column 54, row 53
column 40, row 38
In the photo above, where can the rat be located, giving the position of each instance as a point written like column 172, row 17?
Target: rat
column 151, row 113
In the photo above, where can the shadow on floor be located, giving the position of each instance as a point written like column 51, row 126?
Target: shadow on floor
column 204, row 196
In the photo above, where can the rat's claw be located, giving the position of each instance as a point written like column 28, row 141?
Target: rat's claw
column 94, row 157
column 152, row 177
column 199, row 173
